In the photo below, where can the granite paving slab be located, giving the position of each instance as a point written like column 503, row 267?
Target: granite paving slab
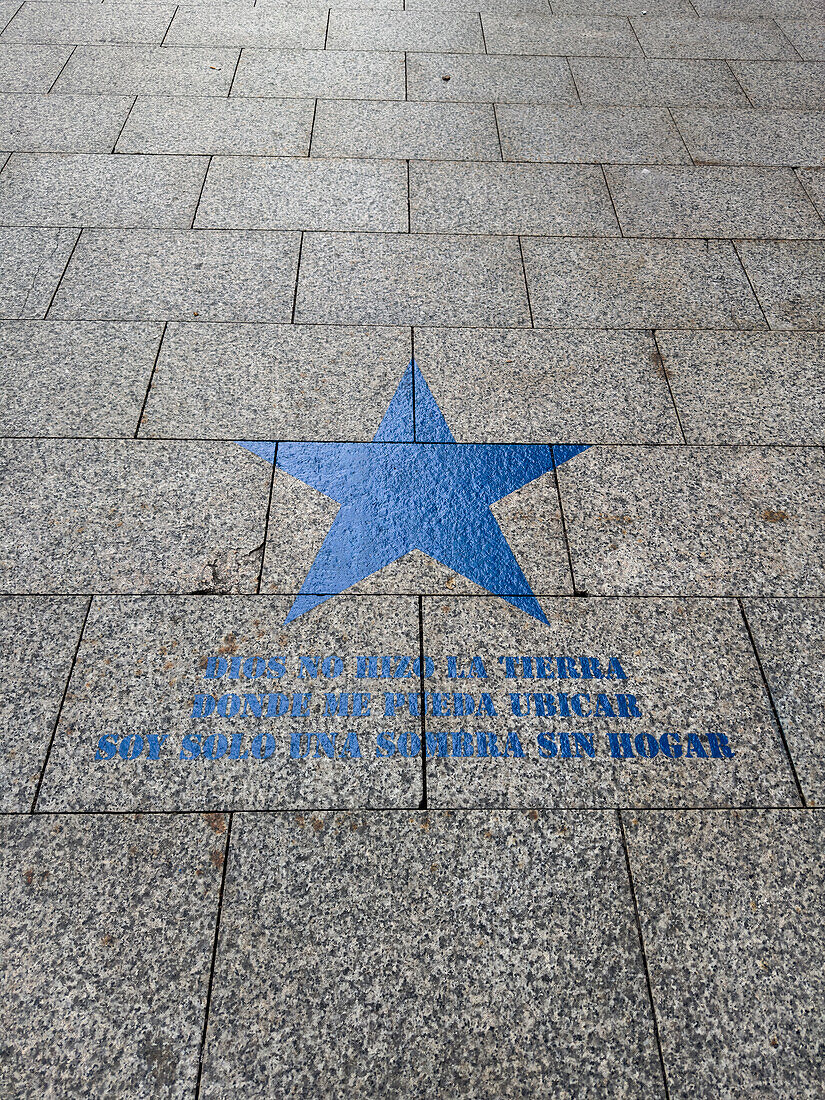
column 737, row 387
column 325, row 74
column 448, row 32
column 448, row 962
column 696, row 521
column 274, row 381
column 283, row 28
column 712, row 202
column 30, row 68
column 8, row 8
column 619, row 7
column 634, row 284
column 617, row 135
column 62, row 123
column 75, row 378
column 474, row 5
column 32, row 262
column 740, row 1013
column 745, row 39
column 584, row 35
column 87, row 24
column 510, row 198
column 425, row 131
column 747, row 9
column 793, row 138
column 789, row 85
column 808, row 38
column 234, row 738
column 789, row 639
column 610, row 702
column 813, row 180
column 130, row 516
column 180, row 275
column 450, row 279
column 510, row 385
column 92, row 190
column 200, row 124
column 258, row 193
column 789, row 280
column 96, row 888
column 148, row 70
column 39, row 638
column 483, row 79
column 633, row 82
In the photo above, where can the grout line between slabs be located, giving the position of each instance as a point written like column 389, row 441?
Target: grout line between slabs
column 574, row 591
column 234, row 74
column 422, row 704
column 200, row 193
column 756, row 297
column 266, row 522
column 297, row 274
column 62, row 276
column 62, row 69
column 666, row 376
column 151, row 379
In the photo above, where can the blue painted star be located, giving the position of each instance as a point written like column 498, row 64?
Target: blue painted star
column 415, row 488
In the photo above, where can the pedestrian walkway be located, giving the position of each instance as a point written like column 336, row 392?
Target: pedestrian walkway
column 412, row 572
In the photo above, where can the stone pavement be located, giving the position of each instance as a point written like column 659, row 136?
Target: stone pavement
column 401, row 374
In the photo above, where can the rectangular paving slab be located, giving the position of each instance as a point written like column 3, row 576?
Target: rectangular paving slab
column 177, row 274
column 27, row 68
column 709, row 521
column 76, row 377
column 40, row 636
column 450, row 32
column 633, row 82
column 744, row 888
column 790, row 85
column 742, row 387
column 275, row 381
column 789, row 280
column 325, row 74
column 485, row 79
column 582, row 35
column 130, row 516
column 633, row 284
column 808, row 38
column 32, row 262
column 227, row 25
column 792, row 138
column 751, row 39
column 86, row 24
column 62, row 123
column 101, row 885
column 148, row 70
column 91, row 190
column 359, row 278
column 216, row 703
column 610, row 702
column 422, row 896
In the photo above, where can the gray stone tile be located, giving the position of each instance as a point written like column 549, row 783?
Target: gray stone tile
column 30, row 68
column 690, row 678
column 539, row 6
column 587, row 35
column 411, row 279
column 392, row 882
column 447, row 32
column 76, row 892
column 793, row 138
column 228, row 26
column 636, row 135
column 60, row 123
column 31, row 264
column 746, row 39
column 808, row 38
column 89, row 189
column 789, row 637
column 507, row 386
column 257, row 193
column 813, row 180
column 201, row 124
column 300, row 518
column 180, row 275
column 322, row 74
column 748, row 9
column 712, row 202
column 510, row 198
column 39, row 638
column 733, row 387
column 432, row 131
column 637, row 284
column 275, row 381
column 789, row 280
column 171, row 640
column 618, row 7
column 87, row 24
column 130, row 516
column 632, row 82
column 75, row 377
column 148, row 70
column 791, row 85
column 693, row 521
column 486, row 79
column 7, row 10
column 738, row 1014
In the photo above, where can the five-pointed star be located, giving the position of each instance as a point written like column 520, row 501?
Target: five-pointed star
column 415, row 488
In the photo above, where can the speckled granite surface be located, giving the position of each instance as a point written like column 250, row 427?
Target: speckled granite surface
column 412, row 557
